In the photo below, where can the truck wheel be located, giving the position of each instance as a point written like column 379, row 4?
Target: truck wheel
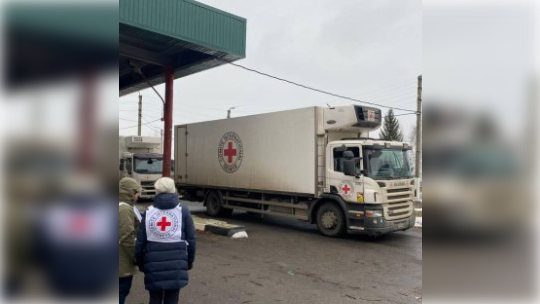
column 214, row 205
column 330, row 220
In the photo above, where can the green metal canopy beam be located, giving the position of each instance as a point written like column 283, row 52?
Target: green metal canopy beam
column 188, row 21
column 184, row 35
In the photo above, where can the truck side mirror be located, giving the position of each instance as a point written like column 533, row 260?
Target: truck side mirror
column 121, row 165
column 129, row 166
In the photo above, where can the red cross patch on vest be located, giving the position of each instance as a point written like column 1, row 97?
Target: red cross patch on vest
column 164, row 226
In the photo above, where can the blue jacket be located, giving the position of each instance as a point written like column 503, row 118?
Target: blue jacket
column 165, row 265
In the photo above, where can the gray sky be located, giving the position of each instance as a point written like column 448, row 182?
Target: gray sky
column 482, row 68
column 369, row 50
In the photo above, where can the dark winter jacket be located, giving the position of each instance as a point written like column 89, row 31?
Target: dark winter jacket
column 165, row 265
column 75, row 245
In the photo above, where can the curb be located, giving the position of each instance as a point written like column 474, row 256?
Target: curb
column 216, row 227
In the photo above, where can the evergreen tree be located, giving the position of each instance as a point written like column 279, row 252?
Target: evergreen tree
column 390, row 129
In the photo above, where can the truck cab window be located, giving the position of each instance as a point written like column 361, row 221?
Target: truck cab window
column 338, row 158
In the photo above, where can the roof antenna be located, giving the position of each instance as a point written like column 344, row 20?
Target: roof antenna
column 329, row 106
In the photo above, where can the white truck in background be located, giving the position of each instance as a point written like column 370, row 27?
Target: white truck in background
column 141, row 158
column 312, row 164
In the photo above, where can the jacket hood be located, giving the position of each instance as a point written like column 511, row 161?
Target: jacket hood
column 125, row 197
column 127, row 187
column 166, row 201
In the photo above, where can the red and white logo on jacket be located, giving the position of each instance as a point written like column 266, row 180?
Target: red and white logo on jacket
column 164, row 226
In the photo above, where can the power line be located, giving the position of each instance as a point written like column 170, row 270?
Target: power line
column 149, row 126
column 127, row 119
column 314, row 89
column 141, row 125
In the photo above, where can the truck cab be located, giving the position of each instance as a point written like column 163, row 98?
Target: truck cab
column 145, row 168
column 139, row 160
column 374, row 179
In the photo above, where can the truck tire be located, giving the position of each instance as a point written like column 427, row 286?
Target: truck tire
column 214, row 205
column 330, row 220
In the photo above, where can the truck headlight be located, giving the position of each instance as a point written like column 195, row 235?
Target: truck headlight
column 374, row 213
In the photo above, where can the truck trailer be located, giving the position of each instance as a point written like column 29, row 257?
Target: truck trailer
column 140, row 158
column 313, row 164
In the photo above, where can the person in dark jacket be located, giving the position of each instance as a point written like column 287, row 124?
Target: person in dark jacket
column 165, row 248
column 74, row 242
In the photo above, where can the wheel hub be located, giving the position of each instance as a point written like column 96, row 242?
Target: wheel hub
column 329, row 219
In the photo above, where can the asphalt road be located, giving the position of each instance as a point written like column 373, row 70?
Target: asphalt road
column 285, row 261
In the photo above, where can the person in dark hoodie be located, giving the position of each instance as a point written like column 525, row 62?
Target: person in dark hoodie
column 165, row 248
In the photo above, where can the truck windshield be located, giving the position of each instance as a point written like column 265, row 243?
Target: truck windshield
column 148, row 165
column 387, row 163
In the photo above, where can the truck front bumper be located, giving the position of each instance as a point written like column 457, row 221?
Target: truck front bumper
column 379, row 226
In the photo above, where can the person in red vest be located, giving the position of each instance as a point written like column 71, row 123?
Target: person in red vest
column 165, row 248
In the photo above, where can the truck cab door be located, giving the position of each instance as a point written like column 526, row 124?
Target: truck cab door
column 347, row 187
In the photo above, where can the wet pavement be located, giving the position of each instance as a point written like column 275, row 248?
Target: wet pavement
column 285, row 261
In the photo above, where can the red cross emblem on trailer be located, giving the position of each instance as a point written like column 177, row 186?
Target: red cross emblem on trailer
column 230, row 152
column 346, row 188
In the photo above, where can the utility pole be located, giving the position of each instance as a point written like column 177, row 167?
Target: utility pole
column 418, row 159
column 140, row 116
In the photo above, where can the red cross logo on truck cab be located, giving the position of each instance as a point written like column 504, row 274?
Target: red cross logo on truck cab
column 346, row 189
column 230, row 152
column 163, row 224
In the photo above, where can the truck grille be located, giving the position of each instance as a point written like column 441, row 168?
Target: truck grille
column 147, row 183
column 399, row 203
column 397, row 190
column 148, row 189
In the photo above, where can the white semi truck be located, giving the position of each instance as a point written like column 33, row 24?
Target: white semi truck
column 141, row 158
column 313, row 164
